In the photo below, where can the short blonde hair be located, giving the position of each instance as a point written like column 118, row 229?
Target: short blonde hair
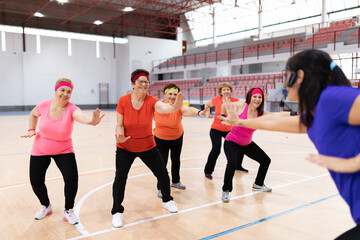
column 223, row 85
column 60, row 80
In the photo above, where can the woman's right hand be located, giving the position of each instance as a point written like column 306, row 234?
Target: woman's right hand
column 121, row 138
column 29, row 134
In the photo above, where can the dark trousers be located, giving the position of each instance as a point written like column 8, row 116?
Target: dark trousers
column 124, row 160
column 216, row 136
column 174, row 146
column 352, row 234
column 68, row 168
column 254, row 152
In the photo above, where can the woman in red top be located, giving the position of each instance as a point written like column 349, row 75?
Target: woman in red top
column 134, row 138
column 169, row 133
column 219, row 130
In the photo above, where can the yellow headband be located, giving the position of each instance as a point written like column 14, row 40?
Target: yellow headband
column 168, row 89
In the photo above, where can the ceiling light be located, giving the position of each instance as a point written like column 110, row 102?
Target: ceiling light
column 98, row 22
column 128, row 9
column 63, row 1
column 38, row 14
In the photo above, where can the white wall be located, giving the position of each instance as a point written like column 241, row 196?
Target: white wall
column 28, row 77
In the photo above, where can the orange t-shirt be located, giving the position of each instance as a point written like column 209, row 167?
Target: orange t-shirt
column 168, row 126
column 137, row 123
column 217, row 102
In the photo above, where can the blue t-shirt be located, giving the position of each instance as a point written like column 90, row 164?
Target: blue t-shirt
column 333, row 136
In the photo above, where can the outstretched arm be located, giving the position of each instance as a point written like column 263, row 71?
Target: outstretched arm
column 33, row 119
column 207, row 107
column 119, row 129
column 164, row 108
column 81, row 117
column 271, row 122
column 341, row 165
column 189, row 111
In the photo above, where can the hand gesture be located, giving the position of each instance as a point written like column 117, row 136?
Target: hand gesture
column 96, row 118
column 29, row 134
column 119, row 135
column 341, row 165
column 231, row 118
column 179, row 101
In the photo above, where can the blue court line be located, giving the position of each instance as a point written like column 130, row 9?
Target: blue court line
column 268, row 218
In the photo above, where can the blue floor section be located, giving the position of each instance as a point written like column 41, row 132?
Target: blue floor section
column 268, row 218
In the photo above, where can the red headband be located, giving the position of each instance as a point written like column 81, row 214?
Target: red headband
column 255, row 91
column 63, row 84
column 139, row 75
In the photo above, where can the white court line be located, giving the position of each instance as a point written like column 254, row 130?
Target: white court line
column 85, row 233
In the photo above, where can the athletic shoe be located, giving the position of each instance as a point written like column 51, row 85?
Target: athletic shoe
column 178, row 185
column 70, row 217
column 44, row 211
column 225, row 197
column 159, row 194
column 208, row 176
column 170, row 206
column 262, row 188
column 241, row 169
column 117, row 220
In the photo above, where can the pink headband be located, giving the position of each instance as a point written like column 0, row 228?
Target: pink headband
column 63, row 84
column 138, row 75
column 255, row 91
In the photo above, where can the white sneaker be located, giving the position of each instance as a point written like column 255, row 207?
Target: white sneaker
column 117, row 220
column 70, row 217
column 178, row 185
column 170, row 206
column 225, row 197
column 262, row 188
column 44, row 211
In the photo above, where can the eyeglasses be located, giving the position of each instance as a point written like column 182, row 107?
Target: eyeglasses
column 144, row 82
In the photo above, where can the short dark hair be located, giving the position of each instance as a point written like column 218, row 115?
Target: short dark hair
column 136, row 72
column 317, row 76
column 260, row 108
column 171, row 85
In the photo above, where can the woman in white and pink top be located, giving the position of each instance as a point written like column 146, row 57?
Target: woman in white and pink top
column 53, row 140
column 239, row 141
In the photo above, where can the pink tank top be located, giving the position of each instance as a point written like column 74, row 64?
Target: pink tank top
column 241, row 135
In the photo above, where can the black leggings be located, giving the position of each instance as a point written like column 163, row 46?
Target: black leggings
column 352, row 234
column 124, row 160
column 215, row 136
column 68, row 168
column 175, row 147
column 254, row 152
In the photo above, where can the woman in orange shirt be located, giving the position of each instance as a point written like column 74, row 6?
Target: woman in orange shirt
column 169, row 133
column 219, row 130
column 134, row 138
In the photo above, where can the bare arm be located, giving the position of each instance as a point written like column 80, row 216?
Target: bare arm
column 119, row 129
column 354, row 115
column 207, row 107
column 81, row 117
column 271, row 122
column 341, row 165
column 33, row 119
column 164, row 108
column 189, row 111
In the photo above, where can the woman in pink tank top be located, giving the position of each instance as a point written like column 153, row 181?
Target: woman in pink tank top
column 53, row 140
column 239, row 141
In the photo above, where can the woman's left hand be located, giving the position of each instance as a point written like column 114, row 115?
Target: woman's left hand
column 96, row 117
column 179, row 101
column 341, row 165
column 231, row 118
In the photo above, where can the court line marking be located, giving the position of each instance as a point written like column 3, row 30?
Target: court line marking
column 269, row 218
column 85, row 233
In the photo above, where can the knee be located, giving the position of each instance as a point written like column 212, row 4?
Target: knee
column 267, row 161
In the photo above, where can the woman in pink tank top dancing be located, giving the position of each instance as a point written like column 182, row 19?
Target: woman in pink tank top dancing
column 239, row 141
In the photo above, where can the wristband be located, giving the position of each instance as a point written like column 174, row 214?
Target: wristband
column 223, row 115
column 199, row 112
column 31, row 130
